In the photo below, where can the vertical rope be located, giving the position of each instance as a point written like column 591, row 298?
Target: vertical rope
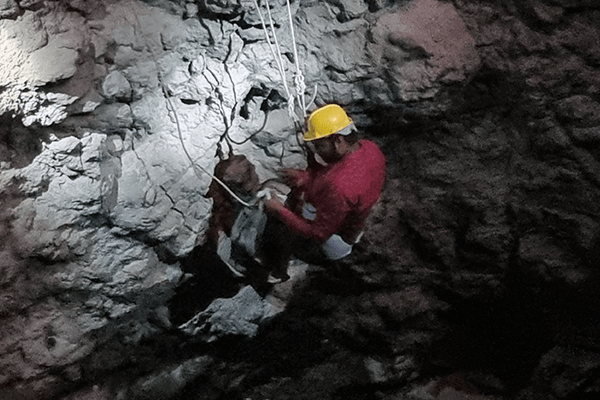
column 276, row 54
column 171, row 106
column 299, row 77
column 299, row 83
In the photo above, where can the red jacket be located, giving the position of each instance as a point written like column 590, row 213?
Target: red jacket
column 343, row 194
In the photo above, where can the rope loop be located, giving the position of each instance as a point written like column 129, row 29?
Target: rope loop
column 298, row 79
column 300, row 88
column 291, row 106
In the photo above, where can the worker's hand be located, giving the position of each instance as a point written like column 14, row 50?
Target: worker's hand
column 274, row 205
column 293, row 176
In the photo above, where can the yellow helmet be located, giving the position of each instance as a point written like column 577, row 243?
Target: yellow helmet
column 326, row 121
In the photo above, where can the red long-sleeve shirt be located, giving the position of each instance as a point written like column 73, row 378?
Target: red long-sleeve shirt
column 343, row 194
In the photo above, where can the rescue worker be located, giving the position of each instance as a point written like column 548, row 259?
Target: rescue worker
column 330, row 200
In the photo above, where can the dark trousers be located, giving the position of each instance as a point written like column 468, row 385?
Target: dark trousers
column 279, row 244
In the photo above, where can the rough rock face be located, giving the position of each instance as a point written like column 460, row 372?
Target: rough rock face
column 481, row 256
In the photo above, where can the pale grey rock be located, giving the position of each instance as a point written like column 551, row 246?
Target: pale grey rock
column 238, row 315
column 119, row 281
column 334, row 58
column 22, row 37
column 49, row 338
column 105, row 282
column 198, row 33
column 8, row 9
column 218, row 32
column 126, row 56
column 90, row 106
column 89, row 100
column 173, row 37
column 223, row 7
column 66, row 179
column 117, row 87
column 51, row 109
column 134, row 177
column 191, row 10
column 34, row 107
column 408, row 54
column 115, row 145
column 115, row 117
column 252, row 34
column 29, row 3
column 176, row 212
column 271, row 132
column 51, row 63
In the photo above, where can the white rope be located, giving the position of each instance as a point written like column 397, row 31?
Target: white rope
column 276, row 54
column 172, row 107
column 300, row 90
column 194, row 165
column 299, row 84
column 299, row 77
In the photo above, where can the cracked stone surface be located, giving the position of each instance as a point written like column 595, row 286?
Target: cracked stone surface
column 488, row 114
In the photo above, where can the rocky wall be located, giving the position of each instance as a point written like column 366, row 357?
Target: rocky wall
column 485, row 239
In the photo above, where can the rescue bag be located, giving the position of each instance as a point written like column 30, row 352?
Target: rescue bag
column 247, row 231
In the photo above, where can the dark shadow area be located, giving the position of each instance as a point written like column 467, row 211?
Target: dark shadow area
column 211, row 279
column 504, row 337
column 19, row 144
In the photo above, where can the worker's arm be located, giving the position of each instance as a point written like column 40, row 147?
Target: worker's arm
column 296, row 178
column 300, row 178
column 331, row 212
